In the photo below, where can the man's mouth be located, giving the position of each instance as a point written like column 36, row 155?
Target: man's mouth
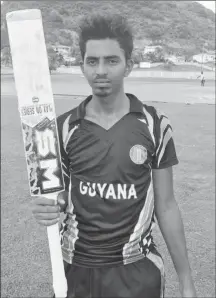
column 102, row 81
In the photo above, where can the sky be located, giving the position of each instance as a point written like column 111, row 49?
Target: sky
column 207, row 4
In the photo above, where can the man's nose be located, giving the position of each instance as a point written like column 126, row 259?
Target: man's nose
column 101, row 69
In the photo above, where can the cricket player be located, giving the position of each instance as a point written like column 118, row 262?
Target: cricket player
column 202, row 79
column 117, row 157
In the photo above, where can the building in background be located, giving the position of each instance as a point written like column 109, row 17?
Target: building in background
column 175, row 59
column 151, row 49
column 63, row 50
column 205, row 57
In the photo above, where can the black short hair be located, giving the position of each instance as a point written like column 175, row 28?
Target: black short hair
column 106, row 25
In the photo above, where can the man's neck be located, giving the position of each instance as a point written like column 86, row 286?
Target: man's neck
column 110, row 105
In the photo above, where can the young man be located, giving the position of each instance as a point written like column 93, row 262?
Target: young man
column 202, row 79
column 115, row 152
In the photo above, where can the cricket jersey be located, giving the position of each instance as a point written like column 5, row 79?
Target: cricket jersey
column 108, row 174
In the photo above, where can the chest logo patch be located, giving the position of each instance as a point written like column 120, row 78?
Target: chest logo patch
column 138, row 154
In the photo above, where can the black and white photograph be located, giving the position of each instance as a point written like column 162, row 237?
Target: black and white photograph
column 108, row 149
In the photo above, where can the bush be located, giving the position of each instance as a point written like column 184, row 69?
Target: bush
column 137, row 56
column 52, row 58
column 6, row 56
column 52, row 67
column 168, row 65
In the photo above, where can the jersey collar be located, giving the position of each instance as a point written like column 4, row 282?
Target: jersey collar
column 136, row 106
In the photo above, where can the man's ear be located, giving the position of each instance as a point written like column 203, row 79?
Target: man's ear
column 129, row 67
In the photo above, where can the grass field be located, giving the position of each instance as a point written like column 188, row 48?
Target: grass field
column 26, row 269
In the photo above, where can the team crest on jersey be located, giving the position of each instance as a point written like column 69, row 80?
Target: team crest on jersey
column 138, row 154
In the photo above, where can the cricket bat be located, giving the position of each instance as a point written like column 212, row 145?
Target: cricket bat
column 38, row 121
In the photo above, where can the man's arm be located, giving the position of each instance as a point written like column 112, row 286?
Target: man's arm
column 171, row 226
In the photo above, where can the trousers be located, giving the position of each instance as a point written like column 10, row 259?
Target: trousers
column 142, row 279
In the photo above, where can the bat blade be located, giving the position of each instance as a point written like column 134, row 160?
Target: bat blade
column 38, row 120
column 35, row 100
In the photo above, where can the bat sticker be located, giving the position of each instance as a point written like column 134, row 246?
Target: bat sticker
column 43, row 158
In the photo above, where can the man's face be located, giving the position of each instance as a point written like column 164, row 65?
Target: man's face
column 105, row 66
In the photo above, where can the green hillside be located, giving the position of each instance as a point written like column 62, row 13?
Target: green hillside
column 180, row 26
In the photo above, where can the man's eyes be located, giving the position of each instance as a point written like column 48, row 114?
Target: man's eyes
column 113, row 61
column 110, row 61
column 91, row 62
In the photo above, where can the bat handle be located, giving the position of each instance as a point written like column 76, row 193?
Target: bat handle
column 58, row 272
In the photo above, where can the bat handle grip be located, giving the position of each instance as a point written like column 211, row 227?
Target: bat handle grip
column 58, row 272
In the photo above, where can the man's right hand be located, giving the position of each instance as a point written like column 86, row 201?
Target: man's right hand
column 47, row 211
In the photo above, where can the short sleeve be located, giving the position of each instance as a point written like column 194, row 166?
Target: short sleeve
column 64, row 157
column 165, row 152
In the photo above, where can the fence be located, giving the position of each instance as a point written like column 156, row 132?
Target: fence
column 137, row 73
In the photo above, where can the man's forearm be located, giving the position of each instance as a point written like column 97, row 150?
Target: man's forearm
column 171, row 226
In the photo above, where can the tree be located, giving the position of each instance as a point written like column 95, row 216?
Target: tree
column 6, row 56
column 168, row 65
column 157, row 56
column 155, row 33
column 60, row 59
column 75, row 39
column 55, row 17
column 77, row 55
column 52, row 58
column 75, row 49
column 4, row 37
column 160, row 55
column 137, row 56
column 183, row 22
column 55, row 20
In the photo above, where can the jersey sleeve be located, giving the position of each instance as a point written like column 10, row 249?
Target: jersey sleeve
column 165, row 152
column 64, row 157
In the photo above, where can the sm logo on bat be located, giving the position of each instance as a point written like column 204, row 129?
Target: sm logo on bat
column 49, row 159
